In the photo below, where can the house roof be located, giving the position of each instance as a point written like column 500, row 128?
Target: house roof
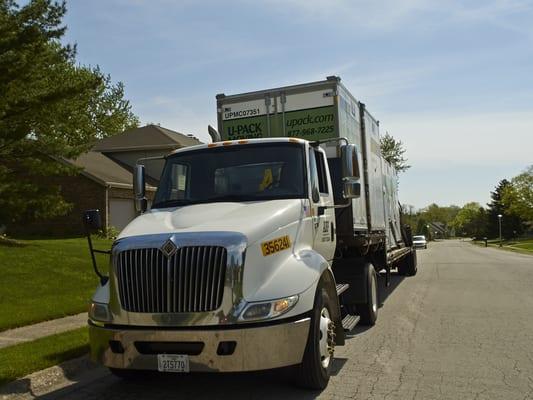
column 149, row 137
column 103, row 170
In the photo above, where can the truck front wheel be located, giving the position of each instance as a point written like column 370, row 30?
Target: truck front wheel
column 315, row 369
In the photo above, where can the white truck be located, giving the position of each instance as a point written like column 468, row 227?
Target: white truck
column 260, row 250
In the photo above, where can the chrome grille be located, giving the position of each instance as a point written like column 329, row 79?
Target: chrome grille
column 190, row 280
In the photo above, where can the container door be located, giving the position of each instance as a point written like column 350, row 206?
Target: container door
column 248, row 119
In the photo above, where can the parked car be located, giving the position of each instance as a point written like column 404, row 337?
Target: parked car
column 419, row 242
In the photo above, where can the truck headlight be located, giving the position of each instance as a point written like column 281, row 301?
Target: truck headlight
column 268, row 309
column 99, row 312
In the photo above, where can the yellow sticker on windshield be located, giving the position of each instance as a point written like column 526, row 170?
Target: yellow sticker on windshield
column 275, row 245
column 267, row 180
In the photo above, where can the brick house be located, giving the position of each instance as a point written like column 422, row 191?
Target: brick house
column 105, row 180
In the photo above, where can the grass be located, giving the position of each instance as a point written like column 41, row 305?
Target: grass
column 524, row 246
column 22, row 359
column 46, row 279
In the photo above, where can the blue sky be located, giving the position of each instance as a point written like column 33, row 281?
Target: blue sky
column 453, row 80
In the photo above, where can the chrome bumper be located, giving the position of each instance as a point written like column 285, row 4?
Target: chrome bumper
column 257, row 348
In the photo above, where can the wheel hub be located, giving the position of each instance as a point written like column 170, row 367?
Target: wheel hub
column 327, row 338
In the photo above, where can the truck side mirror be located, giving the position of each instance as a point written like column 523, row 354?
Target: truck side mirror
column 350, row 172
column 92, row 220
column 351, row 189
column 350, row 162
column 139, row 188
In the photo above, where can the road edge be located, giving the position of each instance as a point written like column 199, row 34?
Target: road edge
column 53, row 378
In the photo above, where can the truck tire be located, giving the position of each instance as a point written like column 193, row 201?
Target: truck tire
column 408, row 266
column 369, row 311
column 315, row 369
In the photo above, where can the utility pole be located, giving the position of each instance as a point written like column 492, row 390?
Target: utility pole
column 500, row 227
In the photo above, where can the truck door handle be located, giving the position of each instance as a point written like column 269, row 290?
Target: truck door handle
column 320, row 210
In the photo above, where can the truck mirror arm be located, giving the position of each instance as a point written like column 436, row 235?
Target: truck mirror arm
column 92, row 250
column 317, row 143
column 321, row 209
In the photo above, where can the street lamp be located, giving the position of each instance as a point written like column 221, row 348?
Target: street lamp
column 500, row 227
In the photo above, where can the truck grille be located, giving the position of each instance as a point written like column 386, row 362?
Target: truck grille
column 190, row 280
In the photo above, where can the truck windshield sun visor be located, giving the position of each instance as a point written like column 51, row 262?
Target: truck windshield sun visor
column 241, row 173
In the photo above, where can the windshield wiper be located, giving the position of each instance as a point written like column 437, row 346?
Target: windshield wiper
column 226, row 197
column 172, row 203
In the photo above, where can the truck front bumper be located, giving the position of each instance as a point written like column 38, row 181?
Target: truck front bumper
column 242, row 349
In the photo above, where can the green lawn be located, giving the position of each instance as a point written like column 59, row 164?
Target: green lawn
column 46, row 279
column 22, row 359
column 520, row 245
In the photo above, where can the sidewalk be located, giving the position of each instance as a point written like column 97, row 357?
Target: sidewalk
column 41, row 329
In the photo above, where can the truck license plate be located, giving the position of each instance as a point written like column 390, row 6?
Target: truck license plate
column 173, row 362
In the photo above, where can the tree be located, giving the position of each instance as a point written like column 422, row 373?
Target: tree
column 518, row 196
column 393, row 151
column 512, row 224
column 471, row 220
column 50, row 108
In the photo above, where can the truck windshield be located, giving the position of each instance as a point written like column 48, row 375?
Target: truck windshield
column 233, row 173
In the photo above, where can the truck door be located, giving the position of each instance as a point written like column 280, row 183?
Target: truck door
column 322, row 205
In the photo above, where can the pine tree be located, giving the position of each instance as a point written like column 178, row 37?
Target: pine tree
column 393, row 151
column 512, row 224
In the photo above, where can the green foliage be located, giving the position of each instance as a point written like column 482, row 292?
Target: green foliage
column 433, row 213
column 110, row 233
column 393, row 151
column 512, row 223
column 50, row 108
column 471, row 220
column 518, row 196
column 24, row 358
column 47, row 279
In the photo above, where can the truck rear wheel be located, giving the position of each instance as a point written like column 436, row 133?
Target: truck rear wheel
column 369, row 310
column 315, row 369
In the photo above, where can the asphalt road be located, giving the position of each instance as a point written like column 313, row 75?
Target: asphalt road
column 461, row 329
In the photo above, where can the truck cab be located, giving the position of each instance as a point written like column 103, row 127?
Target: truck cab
column 231, row 268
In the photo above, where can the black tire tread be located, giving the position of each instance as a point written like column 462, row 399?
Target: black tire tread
column 310, row 374
column 368, row 317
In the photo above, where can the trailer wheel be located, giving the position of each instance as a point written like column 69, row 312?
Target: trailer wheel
column 408, row 266
column 315, row 369
column 369, row 310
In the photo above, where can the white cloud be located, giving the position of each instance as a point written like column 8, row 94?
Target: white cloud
column 468, row 139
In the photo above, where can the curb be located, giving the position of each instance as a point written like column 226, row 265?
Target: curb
column 31, row 332
column 50, row 379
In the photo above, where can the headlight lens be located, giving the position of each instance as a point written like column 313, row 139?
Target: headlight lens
column 99, row 312
column 268, row 309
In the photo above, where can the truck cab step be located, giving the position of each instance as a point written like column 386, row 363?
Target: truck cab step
column 342, row 287
column 349, row 322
